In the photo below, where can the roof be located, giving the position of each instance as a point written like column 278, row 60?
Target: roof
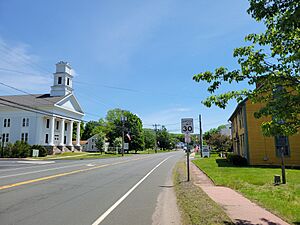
column 237, row 108
column 34, row 100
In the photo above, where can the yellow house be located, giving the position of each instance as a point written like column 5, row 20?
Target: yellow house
column 249, row 142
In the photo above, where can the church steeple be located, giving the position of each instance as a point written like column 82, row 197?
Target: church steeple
column 62, row 80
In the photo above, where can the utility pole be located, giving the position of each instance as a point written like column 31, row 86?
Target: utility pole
column 123, row 119
column 155, row 129
column 200, row 134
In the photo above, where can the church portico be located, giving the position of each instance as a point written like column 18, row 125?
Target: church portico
column 58, row 133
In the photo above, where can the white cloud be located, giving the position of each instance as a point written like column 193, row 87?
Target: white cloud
column 20, row 69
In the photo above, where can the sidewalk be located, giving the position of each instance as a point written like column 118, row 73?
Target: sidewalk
column 241, row 210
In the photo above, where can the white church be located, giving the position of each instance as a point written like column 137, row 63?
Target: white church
column 44, row 119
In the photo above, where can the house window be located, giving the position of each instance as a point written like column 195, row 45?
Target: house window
column 47, row 138
column 47, row 123
column 92, row 146
column 57, row 125
column 66, row 126
column 59, row 80
column 282, row 143
column 65, row 139
column 68, row 81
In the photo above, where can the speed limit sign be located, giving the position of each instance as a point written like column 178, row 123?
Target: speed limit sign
column 187, row 126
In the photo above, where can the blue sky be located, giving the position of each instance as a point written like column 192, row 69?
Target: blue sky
column 135, row 55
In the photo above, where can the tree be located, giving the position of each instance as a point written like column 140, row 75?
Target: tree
column 100, row 141
column 272, row 62
column 219, row 142
column 149, row 138
column 133, row 126
column 163, row 138
column 88, row 129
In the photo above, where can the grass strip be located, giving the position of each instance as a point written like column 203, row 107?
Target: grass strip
column 256, row 183
column 195, row 205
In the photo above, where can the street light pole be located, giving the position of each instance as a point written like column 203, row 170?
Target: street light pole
column 123, row 119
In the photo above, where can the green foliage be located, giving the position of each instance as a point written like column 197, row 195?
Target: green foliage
column 271, row 60
column 149, row 138
column 163, row 139
column 132, row 125
column 88, row 129
column 118, row 142
column 19, row 149
column 216, row 140
column 237, row 160
column 100, row 141
column 42, row 150
column 74, row 134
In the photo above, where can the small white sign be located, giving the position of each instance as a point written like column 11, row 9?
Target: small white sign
column 187, row 126
column 187, row 138
column 126, row 146
column 35, row 153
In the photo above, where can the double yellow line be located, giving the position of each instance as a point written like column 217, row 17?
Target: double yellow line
column 63, row 174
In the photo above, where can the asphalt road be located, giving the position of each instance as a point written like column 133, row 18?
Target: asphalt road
column 84, row 192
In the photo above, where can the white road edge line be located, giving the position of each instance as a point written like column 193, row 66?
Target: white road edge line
column 104, row 215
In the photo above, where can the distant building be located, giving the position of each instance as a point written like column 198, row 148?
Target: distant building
column 44, row 119
column 249, row 142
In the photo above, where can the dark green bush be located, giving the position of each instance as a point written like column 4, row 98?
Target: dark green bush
column 20, row 150
column 42, row 150
column 237, row 160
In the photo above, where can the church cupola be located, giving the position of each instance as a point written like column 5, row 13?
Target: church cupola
column 62, row 80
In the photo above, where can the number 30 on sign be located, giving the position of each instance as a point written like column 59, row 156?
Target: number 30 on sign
column 187, row 126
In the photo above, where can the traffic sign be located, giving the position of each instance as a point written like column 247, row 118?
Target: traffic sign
column 187, row 125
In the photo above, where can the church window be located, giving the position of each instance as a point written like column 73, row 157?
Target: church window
column 59, row 80
column 7, row 138
column 6, row 123
column 24, row 122
column 47, row 123
column 47, row 138
column 65, row 139
column 57, row 125
column 27, row 122
column 68, row 81
column 66, row 126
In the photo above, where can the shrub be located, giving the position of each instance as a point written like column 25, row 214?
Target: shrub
column 42, row 150
column 20, row 150
column 237, row 160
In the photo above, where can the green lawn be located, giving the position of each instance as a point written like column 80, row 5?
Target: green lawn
column 257, row 184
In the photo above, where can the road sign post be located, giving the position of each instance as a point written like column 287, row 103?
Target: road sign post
column 187, row 127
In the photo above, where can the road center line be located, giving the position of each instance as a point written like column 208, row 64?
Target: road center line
column 64, row 174
column 115, row 205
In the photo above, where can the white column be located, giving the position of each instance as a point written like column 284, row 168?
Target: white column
column 69, row 143
column 62, row 132
column 78, row 134
column 51, row 133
